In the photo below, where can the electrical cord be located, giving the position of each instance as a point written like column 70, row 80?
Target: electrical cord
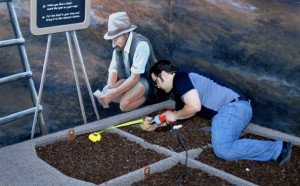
column 186, row 158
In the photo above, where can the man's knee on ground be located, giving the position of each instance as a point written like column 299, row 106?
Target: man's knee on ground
column 124, row 103
column 223, row 152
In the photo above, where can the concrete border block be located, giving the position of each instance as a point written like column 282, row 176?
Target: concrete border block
column 137, row 175
column 272, row 134
column 23, row 167
column 216, row 172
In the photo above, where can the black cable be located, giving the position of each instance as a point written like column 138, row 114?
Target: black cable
column 174, row 150
column 186, row 158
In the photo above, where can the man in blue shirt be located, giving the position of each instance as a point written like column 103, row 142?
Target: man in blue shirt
column 228, row 109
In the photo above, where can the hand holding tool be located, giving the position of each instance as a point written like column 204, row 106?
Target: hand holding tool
column 158, row 119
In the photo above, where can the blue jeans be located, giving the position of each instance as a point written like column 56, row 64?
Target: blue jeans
column 227, row 127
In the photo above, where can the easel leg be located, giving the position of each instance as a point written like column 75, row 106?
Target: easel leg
column 76, row 78
column 41, row 86
column 84, row 72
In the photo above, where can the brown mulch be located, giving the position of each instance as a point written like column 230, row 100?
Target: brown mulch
column 171, row 177
column 98, row 162
column 114, row 156
column 261, row 173
column 191, row 134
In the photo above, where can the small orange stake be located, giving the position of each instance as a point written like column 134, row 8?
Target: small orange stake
column 71, row 134
column 146, row 173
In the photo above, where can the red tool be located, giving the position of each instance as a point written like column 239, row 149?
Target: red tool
column 161, row 118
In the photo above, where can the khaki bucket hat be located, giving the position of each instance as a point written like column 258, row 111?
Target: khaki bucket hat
column 118, row 24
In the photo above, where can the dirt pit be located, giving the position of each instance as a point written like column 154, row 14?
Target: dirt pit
column 114, row 156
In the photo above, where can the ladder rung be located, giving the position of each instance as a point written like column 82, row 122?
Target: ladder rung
column 15, row 77
column 19, row 115
column 19, row 41
column 12, row 42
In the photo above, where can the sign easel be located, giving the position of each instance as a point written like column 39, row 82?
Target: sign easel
column 53, row 16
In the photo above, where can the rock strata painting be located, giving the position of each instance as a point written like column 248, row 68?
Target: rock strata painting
column 255, row 45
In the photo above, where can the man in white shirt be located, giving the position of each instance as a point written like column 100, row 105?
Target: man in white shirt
column 128, row 80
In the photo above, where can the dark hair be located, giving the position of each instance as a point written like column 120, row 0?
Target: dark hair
column 163, row 65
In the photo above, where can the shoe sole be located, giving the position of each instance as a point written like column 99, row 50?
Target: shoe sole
column 288, row 158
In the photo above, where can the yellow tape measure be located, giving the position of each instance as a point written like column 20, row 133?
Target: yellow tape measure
column 94, row 137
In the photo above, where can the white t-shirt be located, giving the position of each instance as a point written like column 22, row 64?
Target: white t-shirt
column 140, row 58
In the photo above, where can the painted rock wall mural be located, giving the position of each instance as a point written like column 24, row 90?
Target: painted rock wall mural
column 252, row 44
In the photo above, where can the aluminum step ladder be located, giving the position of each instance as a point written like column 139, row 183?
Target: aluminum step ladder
column 27, row 74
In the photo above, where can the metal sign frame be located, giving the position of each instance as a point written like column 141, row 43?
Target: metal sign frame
column 60, row 28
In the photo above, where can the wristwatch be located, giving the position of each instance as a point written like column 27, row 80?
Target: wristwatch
column 109, row 86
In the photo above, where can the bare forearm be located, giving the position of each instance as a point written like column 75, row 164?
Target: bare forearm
column 186, row 112
column 191, row 107
column 128, row 83
column 112, row 79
